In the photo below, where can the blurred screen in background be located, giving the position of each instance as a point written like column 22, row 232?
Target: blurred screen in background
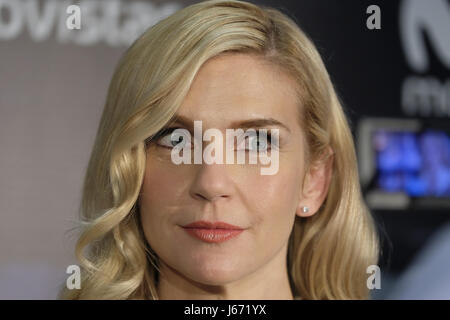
column 417, row 164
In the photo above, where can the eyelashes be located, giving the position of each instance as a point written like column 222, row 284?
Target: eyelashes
column 163, row 139
column 167, row 132
column 160, row 134
column 266, row 145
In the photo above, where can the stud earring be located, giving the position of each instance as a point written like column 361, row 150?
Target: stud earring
column 305, row 209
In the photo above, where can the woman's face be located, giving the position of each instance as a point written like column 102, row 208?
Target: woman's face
column 227, row 89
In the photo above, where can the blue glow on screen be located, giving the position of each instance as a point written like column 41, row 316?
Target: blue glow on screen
column 415, row 163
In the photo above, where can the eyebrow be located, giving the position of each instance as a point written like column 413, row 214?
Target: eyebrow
column 243, row 124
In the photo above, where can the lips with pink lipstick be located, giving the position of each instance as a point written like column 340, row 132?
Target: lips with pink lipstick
column 212, row 232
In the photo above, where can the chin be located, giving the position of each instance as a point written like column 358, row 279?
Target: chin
column 216, row 273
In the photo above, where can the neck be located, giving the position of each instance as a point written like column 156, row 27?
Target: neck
column 270, row 282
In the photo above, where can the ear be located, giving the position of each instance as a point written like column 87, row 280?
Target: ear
column 315, row 185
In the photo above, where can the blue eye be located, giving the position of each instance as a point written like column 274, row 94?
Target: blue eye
column 167, row 140
column 257, row 142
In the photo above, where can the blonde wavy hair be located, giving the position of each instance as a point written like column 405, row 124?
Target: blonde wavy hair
column 328, row 252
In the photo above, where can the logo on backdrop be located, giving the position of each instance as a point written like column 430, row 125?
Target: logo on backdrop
column 114, row 22
column 424, row 94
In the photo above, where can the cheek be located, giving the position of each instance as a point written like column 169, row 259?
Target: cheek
column 161, row 182
column 159, row 189
column 273, row 201
column 153, row 192
column 276, row 194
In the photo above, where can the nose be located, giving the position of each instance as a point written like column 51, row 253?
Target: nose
column 212, row 182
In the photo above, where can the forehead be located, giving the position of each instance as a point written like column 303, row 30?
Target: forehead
column 233, row 87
